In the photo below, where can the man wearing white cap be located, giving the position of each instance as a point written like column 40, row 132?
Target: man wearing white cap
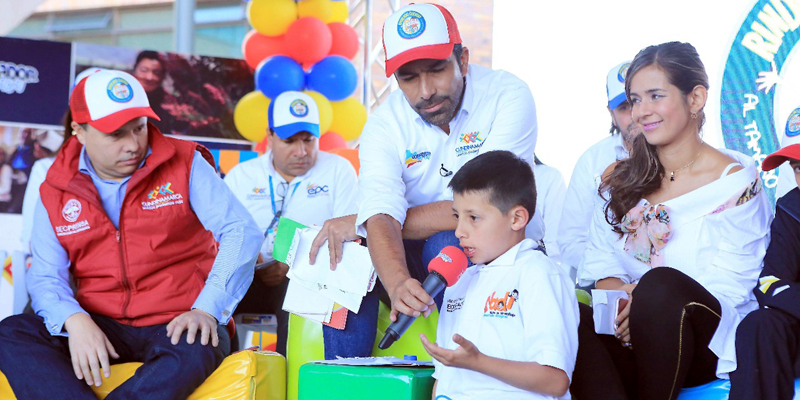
column 446, row 113
column 160, row 250
column 582, row 192
column 295, row 180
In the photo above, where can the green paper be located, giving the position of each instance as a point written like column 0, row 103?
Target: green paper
column 284, row 237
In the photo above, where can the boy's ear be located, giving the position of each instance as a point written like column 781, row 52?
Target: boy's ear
column 519, row 218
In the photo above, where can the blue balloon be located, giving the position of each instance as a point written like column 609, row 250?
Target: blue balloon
column 278, row 74
column 334, row 77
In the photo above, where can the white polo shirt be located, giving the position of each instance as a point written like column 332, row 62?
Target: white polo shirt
column 579, row 203
column 550, row 192
column 327, row 190
column 520, row 307
column 407, row 162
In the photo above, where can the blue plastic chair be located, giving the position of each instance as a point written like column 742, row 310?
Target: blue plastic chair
column 718, row 390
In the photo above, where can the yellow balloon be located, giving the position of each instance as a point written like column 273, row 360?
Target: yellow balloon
column 341, row 11
column 251, row 116
column 271, row 17
column 349, row 117
column 320, row 9
column 325, row 110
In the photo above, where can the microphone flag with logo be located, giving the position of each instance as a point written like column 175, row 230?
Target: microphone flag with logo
column 445, row 270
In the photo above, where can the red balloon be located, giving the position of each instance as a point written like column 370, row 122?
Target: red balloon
column 330, row 141
column 307, row 40
column 257, row 47
column 344, row 40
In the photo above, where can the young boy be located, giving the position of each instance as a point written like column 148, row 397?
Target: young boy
column 767, row 340
column 509, row 327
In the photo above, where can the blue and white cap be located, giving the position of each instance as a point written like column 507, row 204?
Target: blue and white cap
column 293, row 112
column 615, row 85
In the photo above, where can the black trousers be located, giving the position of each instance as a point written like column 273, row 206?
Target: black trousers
column 767, row 346
column 672, row 320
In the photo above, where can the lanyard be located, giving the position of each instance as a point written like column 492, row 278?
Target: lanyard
column 275, row 213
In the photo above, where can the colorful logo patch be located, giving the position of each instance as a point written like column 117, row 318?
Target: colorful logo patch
column 314, row 190
column 299, row 108
column 72, row 210
column 501, row 307
column 163, row 189
column 472, row 142
column 410, row 25
column 418, row 157
column 259, row 190
column 623, row 70
column 793, row 123
column 119, row 90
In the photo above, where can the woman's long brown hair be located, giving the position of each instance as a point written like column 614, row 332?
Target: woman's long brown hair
column 641, row 174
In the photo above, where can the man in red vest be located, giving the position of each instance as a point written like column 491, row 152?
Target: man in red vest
column 160, row 250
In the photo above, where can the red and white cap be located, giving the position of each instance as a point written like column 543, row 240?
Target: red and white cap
column 108, row 99
column 418, row 31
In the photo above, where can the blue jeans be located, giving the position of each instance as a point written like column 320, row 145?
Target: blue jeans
column 38, row 365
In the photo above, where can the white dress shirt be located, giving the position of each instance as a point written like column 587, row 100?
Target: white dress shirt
column 550, row 192
column 407, row 162
column 519, row 307
column 327, row 190
column 722, row 249
column 581, row 196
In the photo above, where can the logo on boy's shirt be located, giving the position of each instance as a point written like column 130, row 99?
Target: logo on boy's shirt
column 501, row 307
column 315, row 190
column 454, row 305
column 471, row 143
column 162, row 196
column 416, row 157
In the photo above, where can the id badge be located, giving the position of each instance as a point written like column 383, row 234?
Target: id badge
column 270, row 242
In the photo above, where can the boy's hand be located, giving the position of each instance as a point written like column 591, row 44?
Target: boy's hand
column 89, row 349
column 193, row 321
column 465, row 356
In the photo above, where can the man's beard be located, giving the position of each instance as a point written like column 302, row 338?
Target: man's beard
column 446, row 112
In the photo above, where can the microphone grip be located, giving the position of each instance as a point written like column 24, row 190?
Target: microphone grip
column 433, row 285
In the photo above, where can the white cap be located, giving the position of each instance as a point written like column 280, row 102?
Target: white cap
column 108, row 99
column 615, row 85
column 293, row 112
column 418, row 31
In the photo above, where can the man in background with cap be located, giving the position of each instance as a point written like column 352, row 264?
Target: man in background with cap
column 295, row 180
column 582, row 192
column 160, row 250
column 446, row 113
column 767, row 339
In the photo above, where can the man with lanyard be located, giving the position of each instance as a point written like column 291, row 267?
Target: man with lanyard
column 445, row 114
column 294, row 179
column 160, row 251
column 582, row 192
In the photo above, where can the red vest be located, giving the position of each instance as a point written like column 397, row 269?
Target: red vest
column 153, row 268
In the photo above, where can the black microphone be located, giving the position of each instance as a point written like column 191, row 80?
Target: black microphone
column 445, row 270
column 445, row 172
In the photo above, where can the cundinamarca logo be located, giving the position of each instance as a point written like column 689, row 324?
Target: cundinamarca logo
column 751, row 78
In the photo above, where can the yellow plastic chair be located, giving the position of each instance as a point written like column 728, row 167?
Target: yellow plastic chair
column 246, row 375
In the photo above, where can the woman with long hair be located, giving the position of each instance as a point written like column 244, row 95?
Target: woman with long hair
column 683, row 232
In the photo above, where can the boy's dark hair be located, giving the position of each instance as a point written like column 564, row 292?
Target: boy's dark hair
column 507, row 178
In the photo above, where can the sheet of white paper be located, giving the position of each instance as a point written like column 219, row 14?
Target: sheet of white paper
column 375, row 361
column 351, row 275
column 307, row 303
column 350, row 301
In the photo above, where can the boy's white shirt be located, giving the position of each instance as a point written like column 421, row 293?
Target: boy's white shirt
column 541, row 326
